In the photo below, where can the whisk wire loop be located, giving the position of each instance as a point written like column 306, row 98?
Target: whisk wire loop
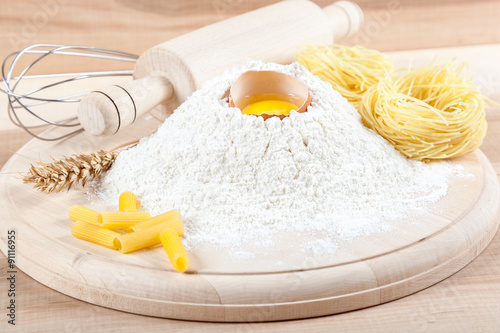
column 18, row 101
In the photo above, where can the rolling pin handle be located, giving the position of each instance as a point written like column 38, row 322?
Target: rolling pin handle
column 104, row 112
column 345, row 17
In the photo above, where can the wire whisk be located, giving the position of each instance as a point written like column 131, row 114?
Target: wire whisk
column 26, row 102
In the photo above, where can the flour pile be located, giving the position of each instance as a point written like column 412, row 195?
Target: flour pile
column 238, row 179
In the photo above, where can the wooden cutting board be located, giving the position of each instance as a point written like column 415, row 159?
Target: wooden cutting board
column 368, row 271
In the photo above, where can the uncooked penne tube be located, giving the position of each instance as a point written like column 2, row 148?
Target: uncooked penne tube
column 121, row 220
column 175, row 250
column 141, row 239
column 173, row 219
column 83, row 214
column 128, row 202
column 92, row 233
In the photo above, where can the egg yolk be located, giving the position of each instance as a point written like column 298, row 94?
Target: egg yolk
column 270, row 107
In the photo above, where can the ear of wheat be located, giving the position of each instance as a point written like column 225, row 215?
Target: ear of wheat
column 64, row 173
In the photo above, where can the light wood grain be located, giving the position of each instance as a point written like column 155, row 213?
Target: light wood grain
column 135, row 26
column 467, row 301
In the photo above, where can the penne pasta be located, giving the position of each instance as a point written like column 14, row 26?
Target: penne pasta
column 128, row 202
column 83, row 214
column 120, row 220
column 92, row 233
column 175, row 250
column 173, row 219
column 141, row 239
column 132, row 230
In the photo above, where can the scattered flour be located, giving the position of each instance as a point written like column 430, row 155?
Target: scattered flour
column 238, row 179
column 243, row 254
column 320, row 247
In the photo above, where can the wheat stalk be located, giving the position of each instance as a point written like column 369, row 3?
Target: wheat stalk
column 64, row 173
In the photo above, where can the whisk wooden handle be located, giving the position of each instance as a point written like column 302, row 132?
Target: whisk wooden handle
column 106, row 111
column 273, row 33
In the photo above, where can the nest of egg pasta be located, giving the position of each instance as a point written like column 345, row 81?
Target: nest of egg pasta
column 432, row 112
column 427, row 113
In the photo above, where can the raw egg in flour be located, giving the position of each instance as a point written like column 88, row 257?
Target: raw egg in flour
column 269, row 94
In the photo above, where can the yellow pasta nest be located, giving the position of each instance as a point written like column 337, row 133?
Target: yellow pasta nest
column 432, row 112
column 350, row 70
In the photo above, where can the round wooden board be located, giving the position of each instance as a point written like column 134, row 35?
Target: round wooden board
column 371, row 270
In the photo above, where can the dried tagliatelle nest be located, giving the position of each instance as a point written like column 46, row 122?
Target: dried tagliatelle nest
column 431, row 112
column 350, row 70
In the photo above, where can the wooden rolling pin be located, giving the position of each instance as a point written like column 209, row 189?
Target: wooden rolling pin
column 168, row 73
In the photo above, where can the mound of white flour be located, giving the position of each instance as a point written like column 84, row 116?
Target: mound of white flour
column 237, row 178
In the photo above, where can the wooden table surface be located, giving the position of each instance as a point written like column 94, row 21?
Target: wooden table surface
column 136, row 25
column 467, row 301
